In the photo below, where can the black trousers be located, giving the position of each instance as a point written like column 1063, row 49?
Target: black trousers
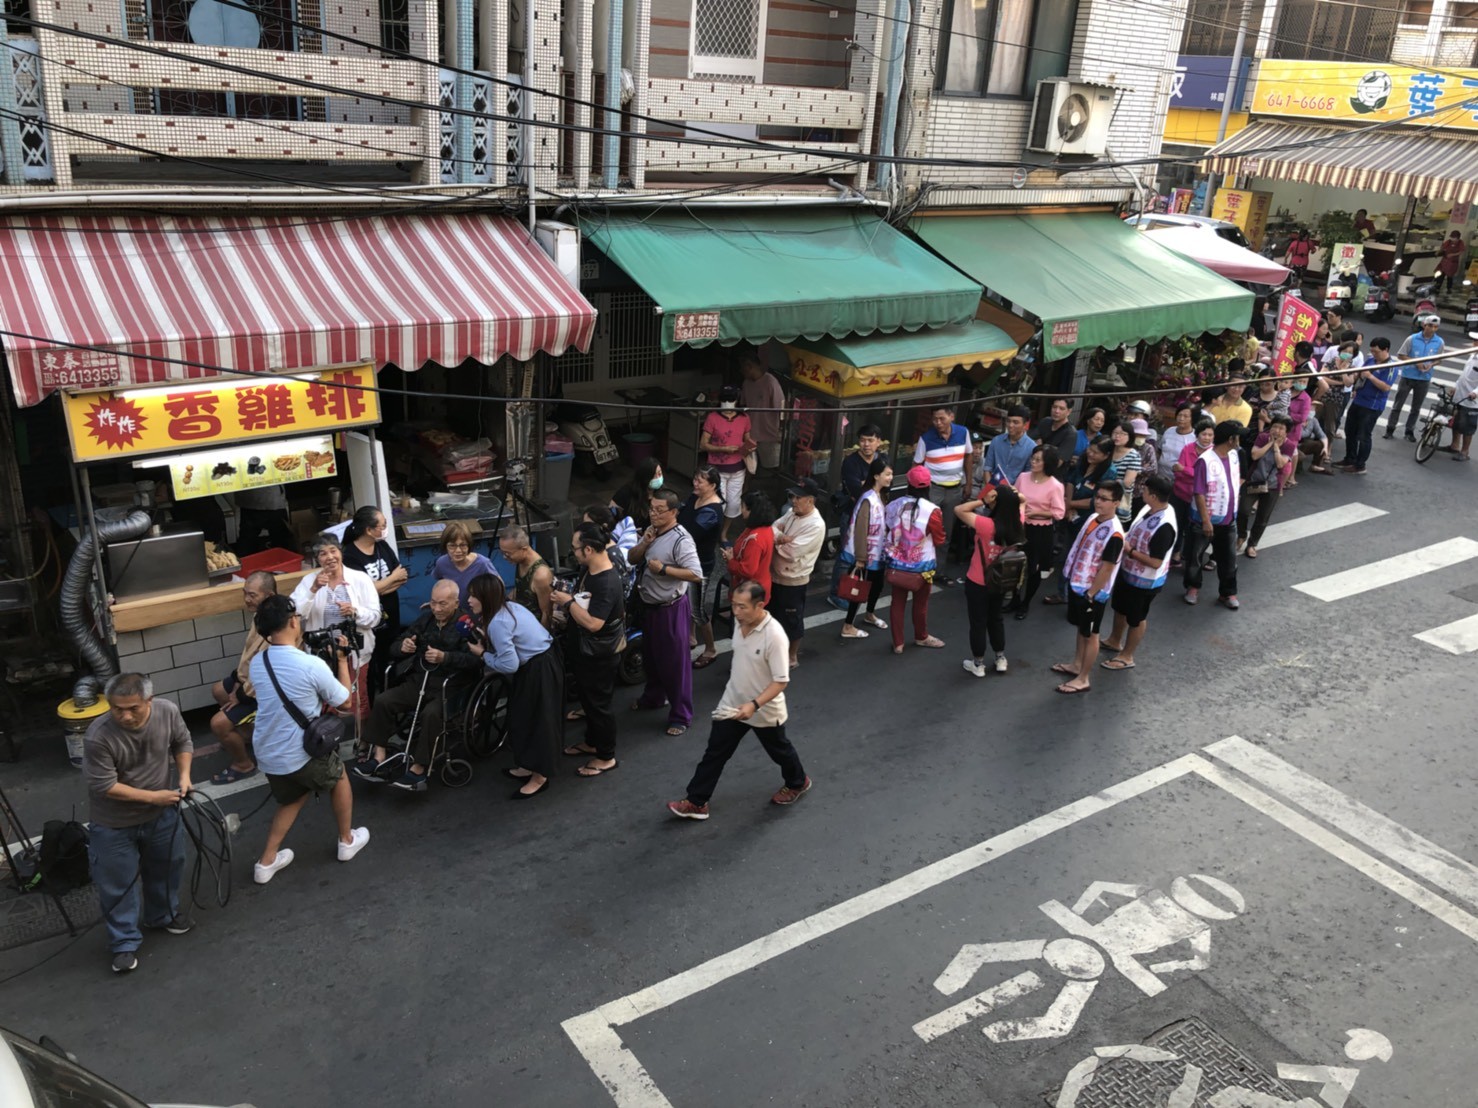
column 1254, row 512
column 536, row 712
column 724, row 739
column 251, row 522
column 596, row 681
column 875, row 579
column 1223, row 542
column 1418, row 392
column 1182, row 522
column 986, row 610
column 788, row 606
column 1040, row 539
column 1359, row 428
column 400, row 701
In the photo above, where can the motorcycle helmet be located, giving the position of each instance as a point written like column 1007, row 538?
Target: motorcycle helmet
column 1140, row 407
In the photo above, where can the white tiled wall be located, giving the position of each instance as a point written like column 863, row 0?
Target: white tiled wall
column 185, row 659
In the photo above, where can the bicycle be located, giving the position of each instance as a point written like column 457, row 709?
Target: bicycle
column 1437, row 421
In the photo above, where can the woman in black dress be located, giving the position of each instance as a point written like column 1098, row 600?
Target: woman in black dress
column 365, row 549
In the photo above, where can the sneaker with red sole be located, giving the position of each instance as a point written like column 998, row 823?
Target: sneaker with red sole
column 686, row 809
column 787, row 795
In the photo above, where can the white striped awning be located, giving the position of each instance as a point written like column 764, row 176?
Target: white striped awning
column 255, row 294
column 1406, row 161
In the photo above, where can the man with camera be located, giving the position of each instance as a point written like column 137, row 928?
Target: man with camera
column 437, row 647
column 293, row 687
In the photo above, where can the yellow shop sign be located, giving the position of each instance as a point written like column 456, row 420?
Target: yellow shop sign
column 1358, row 92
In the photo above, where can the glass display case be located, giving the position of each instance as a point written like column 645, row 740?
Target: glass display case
column 821, row 428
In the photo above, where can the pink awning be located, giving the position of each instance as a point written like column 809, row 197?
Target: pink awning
column 1235, row 263
column 267, row 294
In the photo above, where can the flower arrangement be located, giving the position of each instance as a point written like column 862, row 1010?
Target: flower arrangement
column 1186, row 365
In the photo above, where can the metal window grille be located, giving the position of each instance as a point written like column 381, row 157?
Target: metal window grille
column 25, row 64
column 635, row 336
column 727, row 39
column 395, row 25
column 482, row 129
column 1310, row 29
column 1211, row 27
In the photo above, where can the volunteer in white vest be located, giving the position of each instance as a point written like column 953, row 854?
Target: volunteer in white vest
column 1213, row 521
column 1143, row 571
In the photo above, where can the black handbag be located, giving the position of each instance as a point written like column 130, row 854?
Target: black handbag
column 321, row 735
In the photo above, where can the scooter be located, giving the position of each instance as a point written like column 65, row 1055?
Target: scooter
column 1426, row 302
column 1470, row 318
column 584, row 426
column 1378, row 305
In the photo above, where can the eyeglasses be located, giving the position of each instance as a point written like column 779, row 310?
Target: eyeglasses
column 1106, row 496
column 456, row 546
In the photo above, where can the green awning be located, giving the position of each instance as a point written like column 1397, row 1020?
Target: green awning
column 750, row 276
column 1090, row 278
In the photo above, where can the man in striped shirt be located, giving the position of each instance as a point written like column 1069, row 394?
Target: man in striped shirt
column 945, row 449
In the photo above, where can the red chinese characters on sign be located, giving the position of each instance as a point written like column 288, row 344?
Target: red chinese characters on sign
column 261, row 409
column 1297, row 322
column 115, row 423
column 338, row 396
column 1064, row 332
column 192, row 416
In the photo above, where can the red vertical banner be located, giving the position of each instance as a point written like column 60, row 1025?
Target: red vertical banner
column 1297, row 322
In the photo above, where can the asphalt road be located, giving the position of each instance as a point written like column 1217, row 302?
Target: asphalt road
column 800, row 956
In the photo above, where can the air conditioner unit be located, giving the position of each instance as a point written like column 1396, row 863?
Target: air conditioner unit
column 1070, row 117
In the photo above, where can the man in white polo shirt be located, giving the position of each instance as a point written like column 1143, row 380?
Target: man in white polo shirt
column 754, row 699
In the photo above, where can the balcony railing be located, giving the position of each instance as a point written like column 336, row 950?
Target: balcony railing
column 35, row 151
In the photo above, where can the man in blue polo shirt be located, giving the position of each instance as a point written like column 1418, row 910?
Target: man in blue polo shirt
column 1008, row 454
column 945, row 449
column 1427, row 346
column 1372, row 389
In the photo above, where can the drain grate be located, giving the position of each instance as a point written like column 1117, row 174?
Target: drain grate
column 1123, row 1083
column 31, row 917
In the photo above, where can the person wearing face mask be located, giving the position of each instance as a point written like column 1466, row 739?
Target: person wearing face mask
column 632, row 500
column 727, row 440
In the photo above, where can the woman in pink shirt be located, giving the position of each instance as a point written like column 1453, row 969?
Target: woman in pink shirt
column 1185, row 481
column 1043, row 503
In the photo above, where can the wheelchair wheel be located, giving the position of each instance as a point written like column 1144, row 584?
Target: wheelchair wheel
column 456, row 772
column 485, row 721
column 632, row 668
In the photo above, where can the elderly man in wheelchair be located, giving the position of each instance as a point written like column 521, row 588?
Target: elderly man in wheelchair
column 438, row 671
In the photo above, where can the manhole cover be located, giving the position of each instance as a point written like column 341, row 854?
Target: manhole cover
column 1128, row 1083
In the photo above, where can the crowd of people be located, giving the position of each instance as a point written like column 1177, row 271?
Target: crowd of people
column 1094, row 515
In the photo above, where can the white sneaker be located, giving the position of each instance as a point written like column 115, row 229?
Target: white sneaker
column 1000, row 663
column 357, row 838
column 262, row 874
column 972, row 666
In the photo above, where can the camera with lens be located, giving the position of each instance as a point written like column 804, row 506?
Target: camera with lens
column 324, row 643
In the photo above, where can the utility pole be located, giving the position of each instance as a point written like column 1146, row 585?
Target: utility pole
column 1226, row 101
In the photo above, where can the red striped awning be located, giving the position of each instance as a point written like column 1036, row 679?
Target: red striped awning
column 269, row 294
column 1442, row 165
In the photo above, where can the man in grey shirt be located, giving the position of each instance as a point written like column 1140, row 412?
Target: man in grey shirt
column 263, row 509
column 135, row 839
column 671, row 560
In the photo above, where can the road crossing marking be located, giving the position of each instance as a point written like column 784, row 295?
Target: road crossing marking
column 1459, row 637
column 1390, row 571
column 1316, row 523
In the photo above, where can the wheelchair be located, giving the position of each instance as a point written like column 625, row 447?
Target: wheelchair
column 474, row 713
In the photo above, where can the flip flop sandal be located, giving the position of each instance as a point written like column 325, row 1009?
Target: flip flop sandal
column 574, row 714
column 931, row 643
column 880, row 624
column 1065, row 669
column 578, row 750
column 898, row 650
column 1073, row 690
column 858, row 633
column 589, row 770
column 1110, row 664
column 704, row 663
column 675, row 730
column 229, row 776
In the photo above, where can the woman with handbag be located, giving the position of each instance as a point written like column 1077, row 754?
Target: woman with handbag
column 749, row 558
column 915, row 528
column 1272, row 461
column 595, row 637
column 1044, row 504
column 993, row 532
column 514, row 643
column 861, row 557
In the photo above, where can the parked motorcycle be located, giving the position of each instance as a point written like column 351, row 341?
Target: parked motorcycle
column 1470, row 318
column 1425, row 296
column 1379, row 306
column 584, row 426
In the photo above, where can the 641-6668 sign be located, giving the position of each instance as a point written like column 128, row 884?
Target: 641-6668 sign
column 184, row 416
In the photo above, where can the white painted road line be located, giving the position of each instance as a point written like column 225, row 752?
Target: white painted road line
column 1326, row 840
column 623, row 1075
column 1317, row 523
column 1390, row 571
column 1459, row 637
column 1385, row 836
